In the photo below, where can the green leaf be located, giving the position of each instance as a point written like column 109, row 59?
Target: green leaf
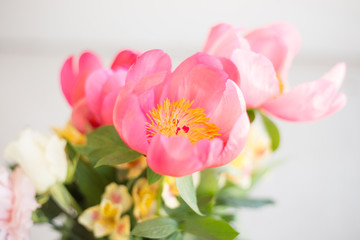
column 234, row 197
column 251, row 114
column 105, row 147
column 207, row 189
column 208, row 183
column 186, row 190
column 272, row 130
column 155, row 228
column 209, row 229
column 152, row 176
column 175, row 236
column 181, row 212
column 91, row 184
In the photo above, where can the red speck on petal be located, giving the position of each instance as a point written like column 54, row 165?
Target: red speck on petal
column 116, row 198
column 185, row 128
column 120, row 228
column 95, row 216
column 177, row 130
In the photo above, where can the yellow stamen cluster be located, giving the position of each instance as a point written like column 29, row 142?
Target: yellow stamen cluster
column 179, row 119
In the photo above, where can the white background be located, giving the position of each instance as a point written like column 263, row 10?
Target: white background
column 317, row 188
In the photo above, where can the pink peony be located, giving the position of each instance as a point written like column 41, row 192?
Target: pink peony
column 91, row 90
column 17, row 201
column 263, row 57
column 184, row 121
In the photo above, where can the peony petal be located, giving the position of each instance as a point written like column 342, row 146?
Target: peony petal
column 236, row 141
column 279, row 42
column 229, row 109
column 230, row 68
column 150, row 62
column 129, row 121
column 107, row 108
column 258, row 80
column 223, row 40
column 215, row 33
column 82, row 118
column 201, row 79
column 68, row 80
column 94, row 91
column 336, row 74
column 88, row 63
column 307, row 102
column 175, row 156
column 124, row 59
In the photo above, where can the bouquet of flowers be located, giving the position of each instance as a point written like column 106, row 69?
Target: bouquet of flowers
column 151, row 153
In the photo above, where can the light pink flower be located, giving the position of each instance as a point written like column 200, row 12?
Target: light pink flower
column 91, row 90
column 17, row 201
column 263, row 57
column 184, row 121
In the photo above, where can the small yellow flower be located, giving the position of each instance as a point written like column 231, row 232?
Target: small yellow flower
column 170, row 192
column 71, row 134
column 135, row 168
column 104, row 219
column 118, row 195
column 122, row 229
column 144, row 199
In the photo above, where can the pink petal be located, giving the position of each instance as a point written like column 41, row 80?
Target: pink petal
column 258, row 81
column 230, row 108
column 278, row 42
column 68, row 80
column 223, row 40
column 307, row 102
column 230, row 68
column 236, row 141
column 176, row 156
column 201, row 79
column 124, row 59
column 336, row 74
column 107, row 108
column 129, row 121
column 82, row 118
column 93, row 91
column 88, row 63
column 150, row 62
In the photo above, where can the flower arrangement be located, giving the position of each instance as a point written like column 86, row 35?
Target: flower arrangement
column 156, row 153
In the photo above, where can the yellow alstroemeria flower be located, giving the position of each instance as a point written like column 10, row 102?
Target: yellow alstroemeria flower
column 135, row 168
column 170, row 192
column 122, row 229
column 103, row 219
column 71, row 134
column 256, row 149
column 144, row 199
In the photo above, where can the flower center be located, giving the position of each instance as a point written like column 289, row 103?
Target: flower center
column 281, row 84
column 179, row 119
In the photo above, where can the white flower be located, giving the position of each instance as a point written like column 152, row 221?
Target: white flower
column 41, row 157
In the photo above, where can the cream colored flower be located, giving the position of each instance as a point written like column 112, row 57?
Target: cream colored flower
column 144, row 199
column 42, row 158
column 104, row 219
column 122, row 229
column 170, row 192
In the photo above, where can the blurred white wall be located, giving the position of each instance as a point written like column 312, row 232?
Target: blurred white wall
column 316, row 190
